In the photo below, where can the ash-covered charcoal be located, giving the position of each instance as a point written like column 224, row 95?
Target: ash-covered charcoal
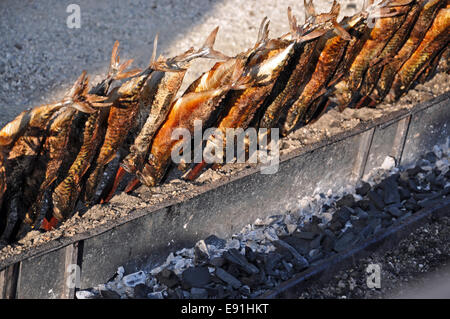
column 251, row 262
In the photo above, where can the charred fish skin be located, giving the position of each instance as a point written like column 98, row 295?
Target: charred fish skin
column 54, row 150
column 66, row 193
column 121, row 119
column 380, row 34
column 325, row 68
column 308, row 42
column 388, row 52
column 436, row 39
column 422, row 24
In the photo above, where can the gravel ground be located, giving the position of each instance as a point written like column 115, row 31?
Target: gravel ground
column 419, row 267
column 41, row 56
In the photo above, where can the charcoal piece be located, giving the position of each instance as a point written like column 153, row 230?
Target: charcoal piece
column 376, row 200
column 404, row 193
column 301, row 245
column 362, row 214
column 345, row 242
column 235, row 257
column 213, row 240
column 272, row 261
column 390, row 188
column 328, row 241
column 394, row 211
column 342, row 215
column 316, row 242
column 411, row 204
column 196, row 277
column 363, row 189
column 141, row 291
column 298, row 260
column 108, row 294
column 250, row 254
column 228, row 278
column 306, row 235
column 347, row 200
column 168, row 278
column 364, row 204
column 217, row 261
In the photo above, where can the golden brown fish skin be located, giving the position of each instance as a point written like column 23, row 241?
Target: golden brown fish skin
column 245, row 103
column 435, row 40
column 121, row 118
column 326, row 65
column 190, row 107
column 166, row 90
column 391, row 48
column 383, row 30
column 422, row 24
column 13, row 129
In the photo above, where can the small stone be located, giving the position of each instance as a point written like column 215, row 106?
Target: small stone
column 291, row 228
column 84, row 294
column 388, row 163
column 201, row 252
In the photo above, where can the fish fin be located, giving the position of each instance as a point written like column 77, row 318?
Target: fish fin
column 155, row 47
column 114, row 62
column 83, row 107
column 208, row 51
column 310, row 11
column 335, row 8
column 340, row 31
column 263, row 32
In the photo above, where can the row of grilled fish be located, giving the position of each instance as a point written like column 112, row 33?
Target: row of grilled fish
column 54, row 156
